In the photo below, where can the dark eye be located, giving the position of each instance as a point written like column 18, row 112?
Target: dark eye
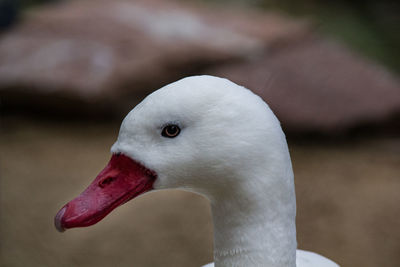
column 170, row 131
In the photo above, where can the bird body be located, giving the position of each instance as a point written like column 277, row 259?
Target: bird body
column 305, row 259
column 209, row 136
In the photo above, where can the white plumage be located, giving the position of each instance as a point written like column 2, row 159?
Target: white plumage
column 305, row 259
column 232, row 150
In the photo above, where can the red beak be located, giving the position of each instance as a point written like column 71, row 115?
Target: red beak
column 120, row 181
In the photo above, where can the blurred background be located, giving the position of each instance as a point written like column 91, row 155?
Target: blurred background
column 71, row 70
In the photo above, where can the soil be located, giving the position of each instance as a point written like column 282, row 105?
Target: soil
column 347, row 197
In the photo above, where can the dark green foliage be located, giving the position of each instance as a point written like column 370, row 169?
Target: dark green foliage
column 369, row 27
column 8, row 13
column 29, row 3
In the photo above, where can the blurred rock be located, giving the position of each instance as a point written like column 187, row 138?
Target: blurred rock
column 102, row 57
column 107, row 55
column 317, row 85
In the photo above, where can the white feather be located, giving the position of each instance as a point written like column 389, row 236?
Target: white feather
column 305, row 259
column 232, row 150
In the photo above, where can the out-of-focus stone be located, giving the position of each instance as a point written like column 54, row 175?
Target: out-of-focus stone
column 317, row 85
column 102, row 54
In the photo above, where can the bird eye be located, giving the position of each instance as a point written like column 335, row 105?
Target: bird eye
column 170, row 131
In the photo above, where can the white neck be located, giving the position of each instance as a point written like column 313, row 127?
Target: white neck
column 255, row 224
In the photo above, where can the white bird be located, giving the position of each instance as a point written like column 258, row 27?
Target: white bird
column 213, row 137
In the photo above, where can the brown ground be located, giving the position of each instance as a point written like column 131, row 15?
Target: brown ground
column 348, row 203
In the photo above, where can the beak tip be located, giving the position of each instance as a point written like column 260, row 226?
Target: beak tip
column 58, row 220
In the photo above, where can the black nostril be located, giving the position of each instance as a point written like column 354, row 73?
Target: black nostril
column 106, row 181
